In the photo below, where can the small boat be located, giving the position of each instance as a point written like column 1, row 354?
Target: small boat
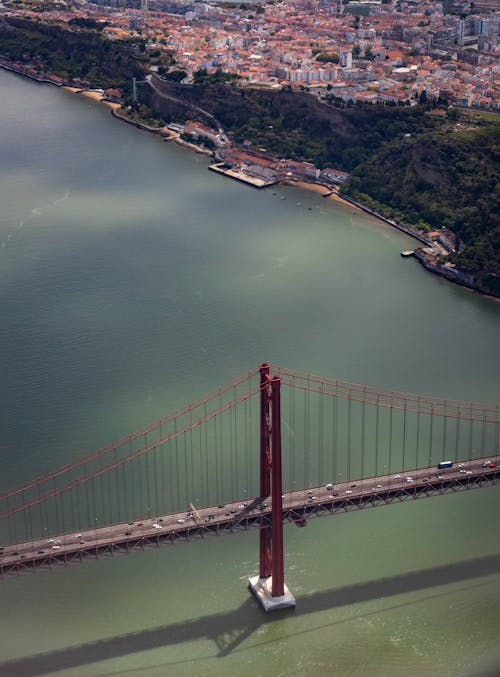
column 407, row 252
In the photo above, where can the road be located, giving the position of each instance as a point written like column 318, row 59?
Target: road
column 296, row 505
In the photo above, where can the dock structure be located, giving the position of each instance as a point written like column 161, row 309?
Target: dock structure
column 241, row 175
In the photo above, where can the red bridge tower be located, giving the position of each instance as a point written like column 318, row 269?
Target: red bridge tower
column 269, row 586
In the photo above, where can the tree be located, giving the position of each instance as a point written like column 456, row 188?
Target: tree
column 175, row 75
column 327, row 57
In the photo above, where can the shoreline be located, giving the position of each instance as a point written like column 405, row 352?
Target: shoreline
column 332, row 193
column 328, row 192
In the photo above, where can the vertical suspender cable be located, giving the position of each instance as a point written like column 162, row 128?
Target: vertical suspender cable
column 418, row 431
column 349, row 414
column 216, row 444
column 127, row 515
column 111, row 492
column 306, row 451
column 177, row 483
column 188, row 495
column 40, row 508
column 320, row 424
column 134, row 492
column 161, row 499
column 221, row 442
column 245, row 429
column 74, row 493
column 363, row 434
column 430, row 435
column 62, row 512
column 194, row 491
column 148, row 483
column 390, row 437
column 443, row 452
column 335, row 435
column 236, row 447
column 205, row 426
column 12, row 526
column 118, row 516
column 55, row 504
column 404, row 435
column 173, row 505
column 100, row 481
column 497, row 426
column 253, row 441
column 94, row 507
column 31, row 531
column 157, row 448
column 471, row 436
column 143, row 510
column 202, row 485
column 483, row 431
column 25, row 519
column 87, row 502
column 292, row 423
column 231, row 452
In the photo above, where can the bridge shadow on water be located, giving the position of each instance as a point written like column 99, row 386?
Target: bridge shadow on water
column 228, row 630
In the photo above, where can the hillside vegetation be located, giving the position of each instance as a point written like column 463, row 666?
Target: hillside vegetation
column 294, row 124
column 451, row 179
column 73, row 53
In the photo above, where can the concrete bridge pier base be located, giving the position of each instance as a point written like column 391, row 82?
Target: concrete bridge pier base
column 262, row 589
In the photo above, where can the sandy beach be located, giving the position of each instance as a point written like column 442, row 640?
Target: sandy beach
column 96, row 96
column 329, row 193
column 315, row 187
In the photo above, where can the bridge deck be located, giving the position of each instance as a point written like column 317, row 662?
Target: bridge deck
column 239, row 516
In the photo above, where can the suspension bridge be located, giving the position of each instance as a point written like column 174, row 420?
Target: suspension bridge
column 273, row 446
